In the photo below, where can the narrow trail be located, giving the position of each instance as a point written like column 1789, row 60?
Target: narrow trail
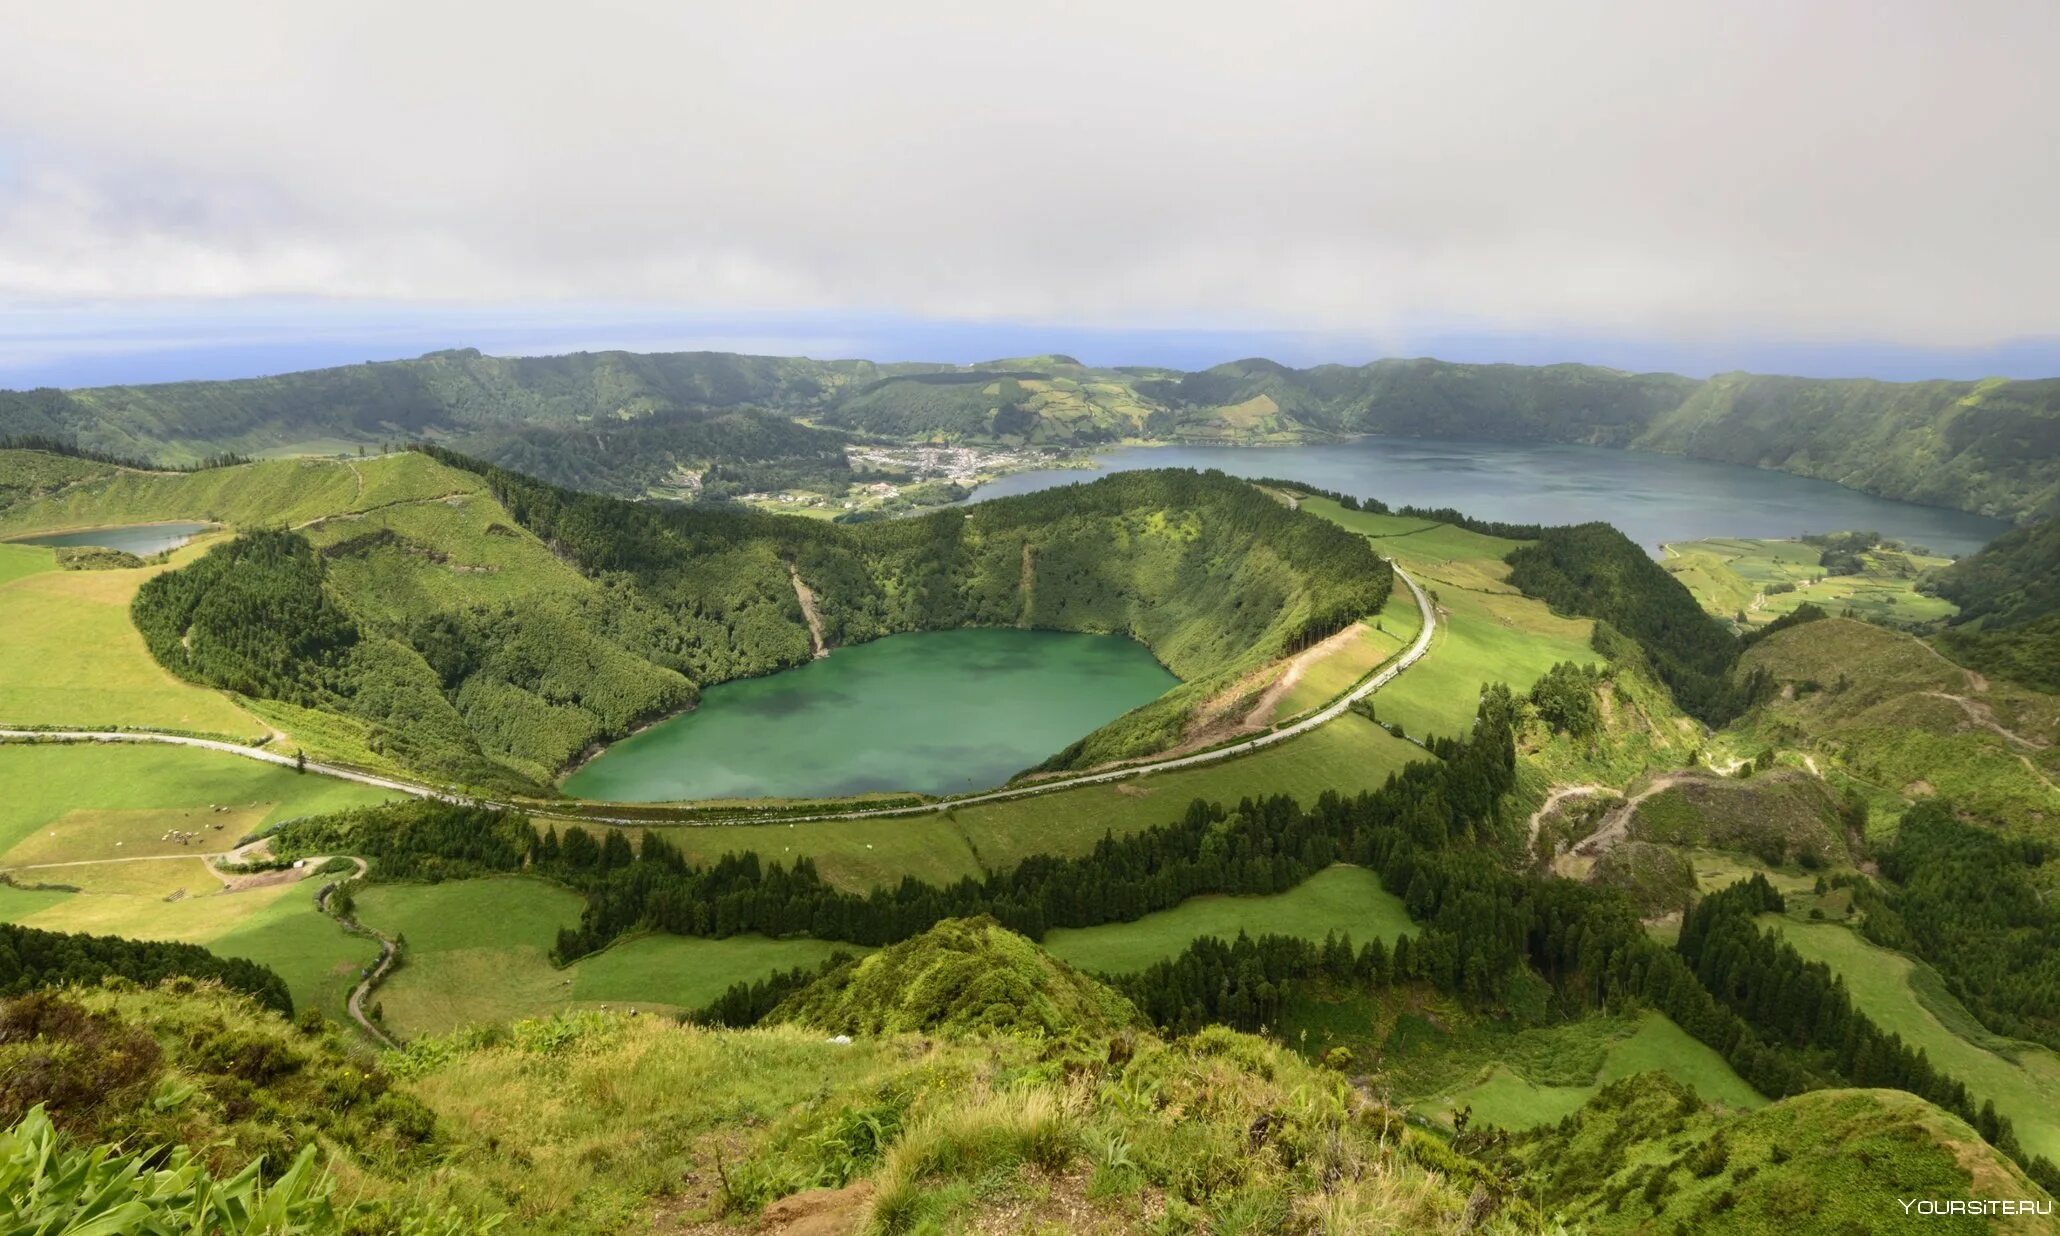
column 1555, row 798
column 1982, row 715
column 1617, row 824
column 1323, row 716
column 389, row 953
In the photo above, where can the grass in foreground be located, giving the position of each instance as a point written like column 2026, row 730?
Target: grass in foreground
column 1349, row 900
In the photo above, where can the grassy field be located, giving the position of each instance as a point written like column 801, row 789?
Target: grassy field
column 1347, row 755
column 1437, row 1057
column 1730, row 577
column 291, row 491
column 1343, row 899
column 88, row 784
column 69, row 655
column 1506, row 1099
column 2022, row 1079
column 478, row 951
column 1487, row 631
column 90, row 804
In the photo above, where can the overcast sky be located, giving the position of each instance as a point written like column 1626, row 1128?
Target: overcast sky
column 1373, row 175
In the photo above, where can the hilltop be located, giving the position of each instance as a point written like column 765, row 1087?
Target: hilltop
column 1981, row 446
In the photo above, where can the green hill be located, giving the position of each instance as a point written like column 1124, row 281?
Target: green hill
column 1989, row 446
column 1904, row 723
column 1646, row 1156
column 591, row 1124
column 2009, row 599
column 961, row 976
column 437, row 615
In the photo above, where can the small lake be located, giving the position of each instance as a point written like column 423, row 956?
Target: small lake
column 937, row 712
column 141, row 540
column 1650, row 498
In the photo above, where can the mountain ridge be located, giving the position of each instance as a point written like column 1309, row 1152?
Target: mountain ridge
column 1990, row 446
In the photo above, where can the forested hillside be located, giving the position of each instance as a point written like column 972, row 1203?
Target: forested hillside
column 2009, row 599
column 486, row 627
column 1990, row 446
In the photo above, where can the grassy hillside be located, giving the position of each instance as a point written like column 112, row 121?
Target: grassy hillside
column 488, row 638
column 1647, row 1156
column 1901, row 722
column 2009, row 597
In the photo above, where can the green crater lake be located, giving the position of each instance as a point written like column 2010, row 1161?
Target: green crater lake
column 938, row 712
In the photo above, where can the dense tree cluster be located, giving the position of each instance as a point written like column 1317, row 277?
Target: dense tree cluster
column 416, row 839
column 30, row 959
column 1596, row 571
column 1803, row 1008
column 1565, row 699
column 1970, row 901
column 252, row 616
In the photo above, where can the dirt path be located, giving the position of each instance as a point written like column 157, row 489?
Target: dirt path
column 1330, row 712
column 1261, row 714
column 388, row 955
column 1982, row 715
column 1554, row 799
column 1617, row 824
column 804, row 594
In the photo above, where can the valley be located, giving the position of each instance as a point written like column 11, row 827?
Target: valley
column 536, row 618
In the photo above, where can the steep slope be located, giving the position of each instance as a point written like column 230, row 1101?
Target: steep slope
column 1645, row 1155
column 2009, row 599
column 590, row 1124
column 1888, row 710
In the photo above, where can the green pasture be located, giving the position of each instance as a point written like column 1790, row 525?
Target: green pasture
column 479, row 951
column 2023, row 1079
column 69, row 656
column 1347, row 900
column 1730, row 576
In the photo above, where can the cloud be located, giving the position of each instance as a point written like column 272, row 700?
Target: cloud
column 1823, row 170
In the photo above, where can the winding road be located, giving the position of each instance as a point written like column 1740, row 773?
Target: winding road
column 1323, row 716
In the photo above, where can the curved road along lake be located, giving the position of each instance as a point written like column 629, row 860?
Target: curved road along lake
column 1651, row 498
column 936, row 712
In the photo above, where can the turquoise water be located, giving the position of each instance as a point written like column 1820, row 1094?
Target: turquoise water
column 141, row 540
column 937, row 712
column 1650, row 498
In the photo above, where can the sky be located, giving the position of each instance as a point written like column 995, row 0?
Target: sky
column 219, row 187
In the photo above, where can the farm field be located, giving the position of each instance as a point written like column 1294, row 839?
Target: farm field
column 1730, row 576
column 1487, row 632
column 105, row 807
column 2021, row 1078
column 69, row 656
column 1348, row 900
column 478, row 951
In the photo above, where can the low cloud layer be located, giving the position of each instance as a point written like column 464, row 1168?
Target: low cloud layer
column 1821, row 170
